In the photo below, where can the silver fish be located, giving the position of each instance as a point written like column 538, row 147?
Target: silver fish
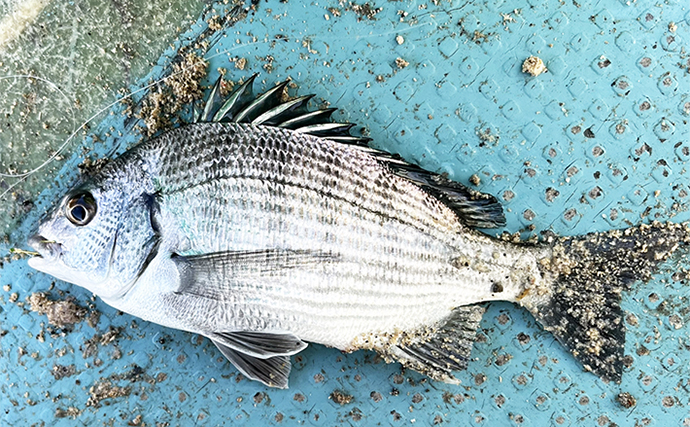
column 263, row 226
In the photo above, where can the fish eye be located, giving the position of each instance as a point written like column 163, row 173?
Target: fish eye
column 80, row 209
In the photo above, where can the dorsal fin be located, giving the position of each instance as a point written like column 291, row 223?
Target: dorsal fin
column 309, row 118
column 284, row 111
column 473, row 208
column 262, row 103
column 271, row 109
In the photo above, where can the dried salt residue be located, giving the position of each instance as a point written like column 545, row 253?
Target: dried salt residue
column 62, row 371
column 534, row 66
column 401, row 63
column 105, row 389
column 182, row 87
column 340, row 397
column 60, row 313
column 70, row 412
column 91, row 167
column 365, row 11
column 90, row 347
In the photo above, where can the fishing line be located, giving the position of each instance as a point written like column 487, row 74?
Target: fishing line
column 21, row 177
column 55, row 87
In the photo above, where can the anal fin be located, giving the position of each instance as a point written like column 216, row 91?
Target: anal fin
column 437, row 351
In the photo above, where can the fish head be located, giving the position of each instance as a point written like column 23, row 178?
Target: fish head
column 95, row 237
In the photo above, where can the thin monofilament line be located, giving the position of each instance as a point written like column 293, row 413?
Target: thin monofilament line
column 57, row 88
column 23, row 176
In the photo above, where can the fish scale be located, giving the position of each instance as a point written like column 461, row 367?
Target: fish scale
column 422, row 254
column 261, row 152
column 385, row 210
column 360, row 241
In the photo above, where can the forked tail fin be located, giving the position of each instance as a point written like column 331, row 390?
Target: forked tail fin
column 582, row 307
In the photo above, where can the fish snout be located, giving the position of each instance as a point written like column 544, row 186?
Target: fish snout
column 47, row 249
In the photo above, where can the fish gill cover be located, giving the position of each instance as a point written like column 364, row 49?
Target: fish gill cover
column 598, row 142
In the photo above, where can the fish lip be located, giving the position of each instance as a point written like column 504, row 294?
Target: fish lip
column 46, row 249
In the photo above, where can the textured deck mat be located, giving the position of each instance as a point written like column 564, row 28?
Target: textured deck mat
column 599, row 141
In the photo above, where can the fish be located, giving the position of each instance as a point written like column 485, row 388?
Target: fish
column 263, row 226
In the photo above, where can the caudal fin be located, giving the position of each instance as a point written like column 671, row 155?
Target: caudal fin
column 582, row 307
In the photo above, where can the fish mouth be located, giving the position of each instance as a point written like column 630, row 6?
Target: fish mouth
column 46, row 249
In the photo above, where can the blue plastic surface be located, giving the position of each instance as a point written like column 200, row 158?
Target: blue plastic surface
column 600, row 141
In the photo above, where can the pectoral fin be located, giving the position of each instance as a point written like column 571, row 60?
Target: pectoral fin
column 212, row 275
column 261, row 345
column 272, row 371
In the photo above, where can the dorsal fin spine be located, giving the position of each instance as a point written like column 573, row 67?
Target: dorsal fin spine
column 262, row 103
column 290, row 109
column 235, row 101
